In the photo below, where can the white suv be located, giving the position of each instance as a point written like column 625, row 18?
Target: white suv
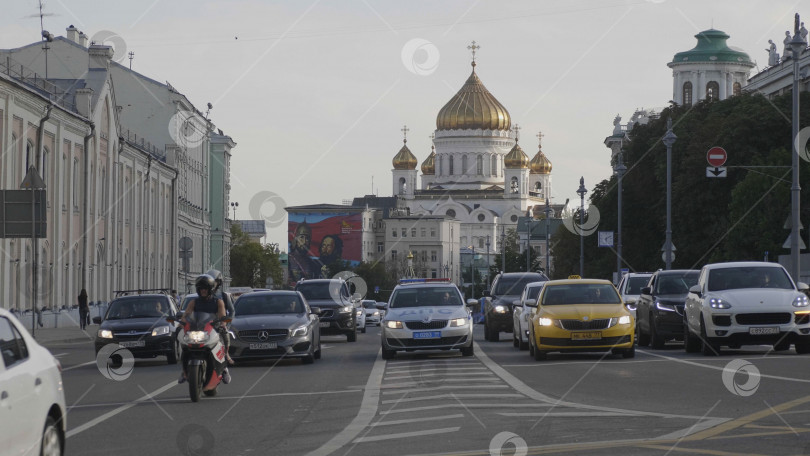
column 522, row 314
column 630, row 288
column 426, row 314
column 746, row 303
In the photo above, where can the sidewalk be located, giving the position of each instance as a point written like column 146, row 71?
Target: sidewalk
column 61, row 327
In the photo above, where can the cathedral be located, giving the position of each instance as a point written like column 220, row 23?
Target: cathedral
column 476, row 173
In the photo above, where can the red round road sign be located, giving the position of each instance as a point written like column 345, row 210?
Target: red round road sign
column 716, row 156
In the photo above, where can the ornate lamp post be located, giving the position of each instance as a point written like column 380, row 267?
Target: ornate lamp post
column 234, row 205
column 581, row 191
column 797, row 45
column 620, row 170
column 548, row 212
column 528, row 241
column 488, row 267
column 669, row 140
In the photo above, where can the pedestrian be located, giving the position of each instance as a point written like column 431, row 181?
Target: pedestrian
column 84, row 309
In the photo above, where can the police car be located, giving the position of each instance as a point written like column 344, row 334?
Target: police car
column 426, row 314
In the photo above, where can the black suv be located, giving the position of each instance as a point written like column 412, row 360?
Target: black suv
column 138, row 323
column 506, row 288
column 659, row 311
column 337, row 306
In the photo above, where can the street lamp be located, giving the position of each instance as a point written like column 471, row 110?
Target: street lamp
column 668, row 140
column 488, row 267
column 472, row 272
column 581, row 191
column 528, row 240
column 548, row 212
column 234, row 205
column 797, row 45
column 620, row 170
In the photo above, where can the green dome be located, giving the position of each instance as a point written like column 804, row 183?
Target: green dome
column 712, row 47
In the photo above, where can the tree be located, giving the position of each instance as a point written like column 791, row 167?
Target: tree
column 251, row 262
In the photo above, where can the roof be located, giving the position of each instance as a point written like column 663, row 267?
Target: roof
column 473, row 108
column 742, row 264
column 578, row 281
column 712, row 47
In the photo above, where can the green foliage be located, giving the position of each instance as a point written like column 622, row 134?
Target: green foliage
column 713, row 219
column 251, row 262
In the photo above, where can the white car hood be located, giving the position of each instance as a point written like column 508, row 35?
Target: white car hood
column 757, row 298
column 426, row 313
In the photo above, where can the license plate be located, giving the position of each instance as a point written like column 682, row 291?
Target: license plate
column 586, row 335
column 763, row 331
column 133, row 343
column 264, row 346
column 427, row 335
column 323, row 324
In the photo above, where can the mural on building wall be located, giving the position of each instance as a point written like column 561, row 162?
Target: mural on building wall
column 318, row 240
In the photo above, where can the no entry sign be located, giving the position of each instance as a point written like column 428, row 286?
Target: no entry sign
column 716, row 156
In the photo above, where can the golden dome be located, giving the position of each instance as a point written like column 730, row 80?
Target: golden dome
column 404, row 159
column 516, row 158
column 540, row 164
column 473, row 108
column 429, row 165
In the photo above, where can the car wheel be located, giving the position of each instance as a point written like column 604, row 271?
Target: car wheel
column 783, row 345
column 363, row 330
column 351, row 337
column 522, row 345
column 708, row 348
column 494, row 335
column 802, row 348
column 388, row 354
column 643, row 338
column 531, row 345
column 467, row 351
column 309, row 359
column 318, row 351
column 539, row 355
column 171, row 358
column 656, row 340
column 515, row 341
column 486, row 330
column 629, row 353
column 690, row 342
column 51, row 439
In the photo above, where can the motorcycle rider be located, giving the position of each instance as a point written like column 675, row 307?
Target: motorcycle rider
column 205, row 302
column 226, row 298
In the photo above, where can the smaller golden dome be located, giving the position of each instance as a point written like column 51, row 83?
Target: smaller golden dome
column 540, row 164
column 516, row 158
column 404, row 159
column 429, row 165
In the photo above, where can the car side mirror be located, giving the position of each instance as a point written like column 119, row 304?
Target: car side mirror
column 646, row 290
column 97, row 320
column 517, row 303
column 801, row 286
column 696, row 290
column 315, row 310
column 631, row 306
column 487, row 294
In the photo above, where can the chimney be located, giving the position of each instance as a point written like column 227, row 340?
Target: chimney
column 73, row 34
column 82, row 39
column 100, row 56
column 83, row 97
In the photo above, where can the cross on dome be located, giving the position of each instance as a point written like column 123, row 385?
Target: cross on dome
column 517, row 132
column 405, row 131
column 540, row 138
column 473, row 47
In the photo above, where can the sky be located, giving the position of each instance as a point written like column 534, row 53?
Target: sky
column 315, row 92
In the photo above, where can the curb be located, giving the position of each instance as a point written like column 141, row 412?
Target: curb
column 63, row 341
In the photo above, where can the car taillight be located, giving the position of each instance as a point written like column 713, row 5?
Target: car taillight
column 58, row 365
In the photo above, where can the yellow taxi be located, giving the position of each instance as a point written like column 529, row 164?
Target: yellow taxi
column 581, row 315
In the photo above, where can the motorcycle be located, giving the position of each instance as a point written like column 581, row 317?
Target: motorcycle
column 203, row 353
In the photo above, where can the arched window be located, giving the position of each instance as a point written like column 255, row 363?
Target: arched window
column 29, row 150
column 403, row 186
column 464, row 167
column 480, row 243
column 451, row 213
column 75, row 183
column 687, row 93
column 451, row 166
column 712, row 91
column 494, row 165
column 479, row 162
column 441, row 158
column 737, row 89
column 44, row 166
column 514, row 187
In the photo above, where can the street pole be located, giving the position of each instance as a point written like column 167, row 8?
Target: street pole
column 503, row 249
column 581, row 191
column 797, row 45
column 669, row 139
column 488, row 266
column 548, row 214
column 528, row 241
column 620, row 170
column 472, row 273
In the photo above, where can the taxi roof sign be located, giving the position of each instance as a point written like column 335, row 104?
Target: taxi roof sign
column 574, row 276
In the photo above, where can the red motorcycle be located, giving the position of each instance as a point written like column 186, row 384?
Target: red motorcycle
column 203, row 353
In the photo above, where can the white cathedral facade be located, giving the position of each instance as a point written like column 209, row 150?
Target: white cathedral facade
column 477, row 173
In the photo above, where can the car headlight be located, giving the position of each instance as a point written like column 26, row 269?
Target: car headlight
column 346, row 309
column 546, row 322
column 160, row 331
column 105, row 333
column 196, row 337
column 665, row 307
column 458, row 322
column 801, row 301
column 233, row 336
column 500, row 309
column 360, row 313
column 717, row 303
column 376, row 313
column 299, row 331
column 393, row 324
column 624, row 320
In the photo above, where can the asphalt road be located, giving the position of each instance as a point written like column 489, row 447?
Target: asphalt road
column 500, row 401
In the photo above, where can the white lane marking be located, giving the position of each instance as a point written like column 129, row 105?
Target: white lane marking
column 568, row 414
column 444, row 387
column 457, row 381
column 719, row 368
column 550, row 363
column 403, row 435
column 399, row 370
column 367, row 412
column 120, row 409
column 432, row 361
column 465, row 406
column 64, row 369
column 527, row 391
column 59, row 355
column 453, row 396
column 440, row 374
column 417, row 420
column 706, row 424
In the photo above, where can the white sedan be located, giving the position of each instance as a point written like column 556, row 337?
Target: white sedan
column 521, row 315
column 32, row 398
column 746, row 303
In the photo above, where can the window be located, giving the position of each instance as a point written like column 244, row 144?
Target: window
column 12, row 345
column 424, row 256
column 433, row 274
column 687, row 93
column 29, row 149
column 403, row 187
column 514, row 218
column 737, row 89
column 464, row 167
column 451, row 165
column 413, row 232
column 423, row 232
column 75, row 183
column 481, row 243
column 404, row 232
column 713, row 91
column 439, row 161
column 513, row 186
column 479, row 164
column 433, row 231
column 494, row 169
column 394, row 255
column 432, row 255
column 394, row 232
column 481, row 217
column 380, row 247
column 451, row 213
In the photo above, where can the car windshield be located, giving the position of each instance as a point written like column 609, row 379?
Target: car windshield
column 533, row 292
column 142, row 307
column 187, row 299
column 269, row 305
column 635, row 284
column 676, row 283
column 322, row 291
column 370, row 304
column 423, row 296
column 514, row 285
column 748, row 277
column 581, row 293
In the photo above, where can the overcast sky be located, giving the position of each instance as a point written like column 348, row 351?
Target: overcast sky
column 315, row 92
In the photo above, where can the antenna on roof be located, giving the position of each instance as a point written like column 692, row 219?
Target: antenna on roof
column 47, row 37
column 131, row 56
